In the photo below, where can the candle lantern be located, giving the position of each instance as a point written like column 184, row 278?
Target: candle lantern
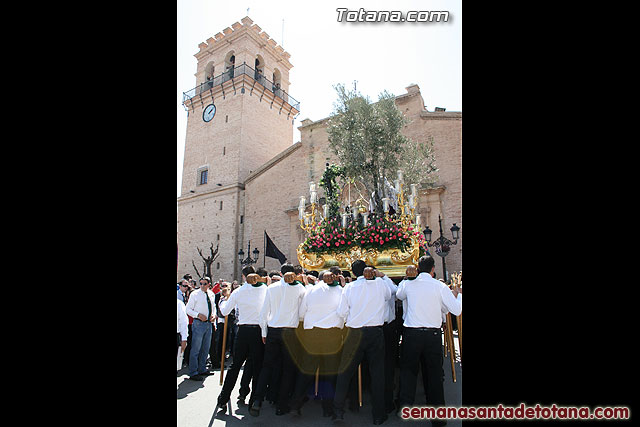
column 385, row 204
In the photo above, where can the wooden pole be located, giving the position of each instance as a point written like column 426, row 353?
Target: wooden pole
column 459, row 319
column 317, row 379
column 360, row 385
column 452, row 348
column 224, row 344
column 446, row 341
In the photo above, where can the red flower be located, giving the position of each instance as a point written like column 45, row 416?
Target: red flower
column 337, row 244
column 386, row 239
column 327, row 244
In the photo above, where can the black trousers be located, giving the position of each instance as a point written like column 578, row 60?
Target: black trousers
column 362, row 343
column 248, row 343
column 390, row 346
column 322, row 349
column 279, row 346
column 247, row 376
column 426, row 346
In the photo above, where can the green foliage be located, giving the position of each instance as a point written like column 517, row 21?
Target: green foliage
column 331, row 189
column 367, row 138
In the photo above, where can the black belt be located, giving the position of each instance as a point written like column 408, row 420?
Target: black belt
column 249, row 326
column 422, row 329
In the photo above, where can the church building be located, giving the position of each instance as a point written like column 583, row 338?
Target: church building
column 243, row 177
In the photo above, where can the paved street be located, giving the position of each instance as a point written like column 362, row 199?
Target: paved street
column 197, row 400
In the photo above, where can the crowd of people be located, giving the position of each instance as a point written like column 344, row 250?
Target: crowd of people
column 292, row 326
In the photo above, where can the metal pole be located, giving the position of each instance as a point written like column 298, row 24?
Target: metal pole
column 441, row 238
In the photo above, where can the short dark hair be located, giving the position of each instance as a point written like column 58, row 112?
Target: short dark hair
column 206, row 279
column 425, row 264
column 297, row 269
column 274, row 273
column 335, row 270
column 313, row 273
column 261, row 271
column 286, row 268
column 187, row 276
column 358, row 267
column 345, row 273
column 247, row 270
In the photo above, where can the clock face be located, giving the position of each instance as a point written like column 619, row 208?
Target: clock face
column 209, row 112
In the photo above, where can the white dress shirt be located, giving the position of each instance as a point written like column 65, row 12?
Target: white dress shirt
column 364, row 302
column 183, row 321
column 197, row 303
column 319, row 305
column 281, row 306
column 391, row 303
column 427, row 298
column 248, row 300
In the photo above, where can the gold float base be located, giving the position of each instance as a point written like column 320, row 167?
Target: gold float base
column 392, row 262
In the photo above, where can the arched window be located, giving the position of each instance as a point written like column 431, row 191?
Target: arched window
column 276, row 83
column 209, row 71
column 259, row 69
column 229, row 65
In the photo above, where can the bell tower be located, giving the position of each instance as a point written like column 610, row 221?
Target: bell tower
column 240, row 115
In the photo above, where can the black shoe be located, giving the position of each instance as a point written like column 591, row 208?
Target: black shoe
column 241, row 401
column 206, row 373
column 379, row 421
column 196, row 378
column 222, row 409
column 283, row 411
column 327, row 407
column 337, row 415
column 254, row 409
column 327, row 412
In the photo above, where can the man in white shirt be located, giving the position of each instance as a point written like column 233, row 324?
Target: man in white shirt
column 322, row 340
column 248, row 299
column 363, row 305
column 279, row 319
column 200, row 307
column 427, row 298
column 183, row 325
column 390, row 332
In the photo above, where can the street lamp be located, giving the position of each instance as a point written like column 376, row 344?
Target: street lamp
column 442, row 244
column 248, row 260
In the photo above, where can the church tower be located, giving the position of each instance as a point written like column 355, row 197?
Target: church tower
column 240, row 115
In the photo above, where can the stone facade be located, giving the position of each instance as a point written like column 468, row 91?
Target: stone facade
column 258, row 175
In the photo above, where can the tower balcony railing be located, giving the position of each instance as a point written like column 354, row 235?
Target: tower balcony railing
column 235, row 72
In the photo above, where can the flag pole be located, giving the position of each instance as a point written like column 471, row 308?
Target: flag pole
column 264, row 254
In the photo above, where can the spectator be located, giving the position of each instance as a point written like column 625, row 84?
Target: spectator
column 200, row 307
column 183, row 321
column 183, row 286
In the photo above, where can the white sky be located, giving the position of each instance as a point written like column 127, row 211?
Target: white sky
column 379, row 56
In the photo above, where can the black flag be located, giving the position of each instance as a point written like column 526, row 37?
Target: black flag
column 272, row 251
